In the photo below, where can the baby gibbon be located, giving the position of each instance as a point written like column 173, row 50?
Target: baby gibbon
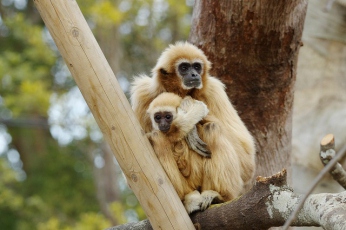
column 172, row 119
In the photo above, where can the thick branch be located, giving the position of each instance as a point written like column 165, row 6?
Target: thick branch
column 327, row 154
column 268, row 204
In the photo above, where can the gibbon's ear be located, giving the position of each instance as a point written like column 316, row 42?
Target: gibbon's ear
column 163, row 71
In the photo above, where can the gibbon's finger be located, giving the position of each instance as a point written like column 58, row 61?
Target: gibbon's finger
column 203, row 151
column 196, row 144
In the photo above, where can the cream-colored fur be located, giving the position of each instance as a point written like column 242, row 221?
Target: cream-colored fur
column 232, row 161
column 184, row 167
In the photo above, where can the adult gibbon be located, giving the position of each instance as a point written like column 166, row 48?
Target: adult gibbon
column 172, row 119
column 183, row 69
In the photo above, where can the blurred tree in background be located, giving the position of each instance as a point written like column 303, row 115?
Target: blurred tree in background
column 56, row 172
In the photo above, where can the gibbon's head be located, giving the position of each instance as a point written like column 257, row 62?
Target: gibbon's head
column 163, row 110
column 181, row 66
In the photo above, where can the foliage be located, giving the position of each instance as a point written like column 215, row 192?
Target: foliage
column 58, row 191
column 10, row 200
column 25, row 65
column 147, row 28
column 87, row 221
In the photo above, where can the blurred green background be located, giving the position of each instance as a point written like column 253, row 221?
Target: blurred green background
column 56, row 171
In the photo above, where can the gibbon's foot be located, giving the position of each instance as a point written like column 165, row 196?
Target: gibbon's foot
column 209, row 197
column 196, row 144
column 193, row 201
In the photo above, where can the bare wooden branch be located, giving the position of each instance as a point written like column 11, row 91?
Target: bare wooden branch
column 268, row 204
column 327, row 145
column 113, row 114
column 327, row 153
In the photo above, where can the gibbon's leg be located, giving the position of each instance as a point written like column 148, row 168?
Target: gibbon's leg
column 210, row 197
column 222, row 172
column 193, row 201
column 164, row 152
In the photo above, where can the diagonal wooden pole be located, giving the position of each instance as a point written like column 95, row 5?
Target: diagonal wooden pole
column 113, row 114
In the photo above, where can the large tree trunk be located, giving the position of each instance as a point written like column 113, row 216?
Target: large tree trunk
column 253, row 46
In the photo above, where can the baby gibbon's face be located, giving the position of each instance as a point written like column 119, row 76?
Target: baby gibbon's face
column 163, row 120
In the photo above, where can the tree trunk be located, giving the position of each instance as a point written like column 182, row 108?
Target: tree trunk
column 253, row 46
column 30, row 137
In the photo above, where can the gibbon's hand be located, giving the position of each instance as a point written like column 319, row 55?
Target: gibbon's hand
column 196, row 144
column 188, row 105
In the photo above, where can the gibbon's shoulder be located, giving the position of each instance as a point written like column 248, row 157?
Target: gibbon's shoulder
column 141, row 82
column 140, row 88
column 144, row 89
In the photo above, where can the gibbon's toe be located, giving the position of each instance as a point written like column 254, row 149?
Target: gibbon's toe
column 193, row 201
column 208, row 197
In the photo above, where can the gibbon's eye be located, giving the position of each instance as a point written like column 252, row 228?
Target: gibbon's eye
column 157, row 118
column 168, row 117
column 183, row 67
column 197, row 66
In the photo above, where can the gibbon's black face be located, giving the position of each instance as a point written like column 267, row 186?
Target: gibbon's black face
column 163, row 120
column 191, row 74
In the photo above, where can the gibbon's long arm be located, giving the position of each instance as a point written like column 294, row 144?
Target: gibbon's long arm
column 192, row 138
column 189, row 113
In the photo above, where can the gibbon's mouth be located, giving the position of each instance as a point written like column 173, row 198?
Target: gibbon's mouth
column 164, row 130
column 192, row 83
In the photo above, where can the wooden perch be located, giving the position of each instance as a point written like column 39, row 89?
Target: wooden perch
column 113, row 114
column 327, row 153
column 267, row 204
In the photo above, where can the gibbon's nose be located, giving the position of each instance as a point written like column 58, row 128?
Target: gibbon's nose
column 194, row 75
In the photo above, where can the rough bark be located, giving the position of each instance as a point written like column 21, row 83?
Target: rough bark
column 253, row 46
column 268, row 204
